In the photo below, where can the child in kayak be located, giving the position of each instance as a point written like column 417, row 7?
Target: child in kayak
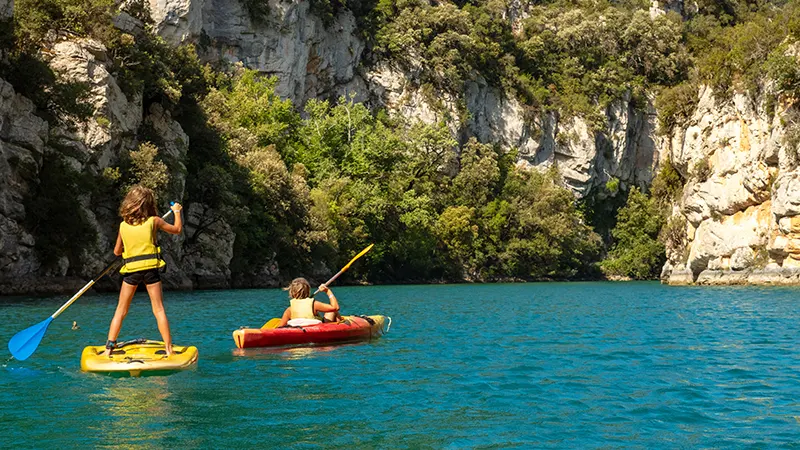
column 303, row 309
column 136, row 243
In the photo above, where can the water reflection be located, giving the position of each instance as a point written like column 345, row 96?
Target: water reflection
column 137, row 414
column 290, row 353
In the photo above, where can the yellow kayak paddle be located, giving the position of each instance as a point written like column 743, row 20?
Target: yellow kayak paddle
column 344, row 269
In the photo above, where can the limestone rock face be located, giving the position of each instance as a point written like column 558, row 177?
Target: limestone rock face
column 174, row 142
column 116, row 118
column 22, row 144
column 624, row 148
column 310, row 58
column 786, row 201
column 742, row 196
column 205, row 262
column 729, row 244
column 6, row 9
column 659, row 7
column 91, row 146
column 313, row 59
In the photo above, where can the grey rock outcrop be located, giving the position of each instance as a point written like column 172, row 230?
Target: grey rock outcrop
column 22, row 145
column 310, row 58
column 91, row 146
column 206, row 260
column 6, row 9
column 624, row 148
column 115, row 118
column 659, row 7
column 313, row 59
column 741, row 203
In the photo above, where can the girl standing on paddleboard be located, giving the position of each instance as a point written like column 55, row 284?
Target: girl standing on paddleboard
column 136, row 243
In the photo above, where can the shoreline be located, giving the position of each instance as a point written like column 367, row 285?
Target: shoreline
column 769, row 276
column 68, row 285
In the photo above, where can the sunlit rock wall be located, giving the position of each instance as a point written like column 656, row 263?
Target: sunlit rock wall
column 310, row 58
column 741, row 204
column 90, row 147
column 624, row 147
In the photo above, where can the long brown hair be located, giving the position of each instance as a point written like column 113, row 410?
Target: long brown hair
column 139, row 205
column 299, row 288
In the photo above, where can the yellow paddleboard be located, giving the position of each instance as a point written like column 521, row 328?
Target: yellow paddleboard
column 135, row 358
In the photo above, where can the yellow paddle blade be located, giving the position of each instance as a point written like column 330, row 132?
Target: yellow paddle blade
column 272, row 323
column 358, row 256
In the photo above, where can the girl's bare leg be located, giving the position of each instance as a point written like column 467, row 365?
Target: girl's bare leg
column 125, row 296
column 333, row 316
column 156, row 300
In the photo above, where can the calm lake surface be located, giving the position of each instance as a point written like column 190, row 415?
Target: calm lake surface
column 556, row 365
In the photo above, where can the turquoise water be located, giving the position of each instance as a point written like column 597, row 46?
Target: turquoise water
column 577, row 365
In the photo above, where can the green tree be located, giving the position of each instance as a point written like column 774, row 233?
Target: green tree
column 637, row 252
column 147, row 170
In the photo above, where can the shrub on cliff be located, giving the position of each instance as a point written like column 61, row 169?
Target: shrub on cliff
column 147, row 170
column 676, row 105
column 737, row 58
column 35, row 19
column 636, row 252
column 237, row 174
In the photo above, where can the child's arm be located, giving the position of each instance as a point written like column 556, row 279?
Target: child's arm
column 285, row 319
column 176, row 228
column 324, row 307
column 118, row 246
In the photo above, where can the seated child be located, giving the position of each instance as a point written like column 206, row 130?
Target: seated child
column 303, row 308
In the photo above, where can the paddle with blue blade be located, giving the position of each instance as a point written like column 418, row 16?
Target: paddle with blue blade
column 24, row 343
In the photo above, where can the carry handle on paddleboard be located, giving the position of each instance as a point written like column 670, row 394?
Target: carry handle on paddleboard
column 24, row 343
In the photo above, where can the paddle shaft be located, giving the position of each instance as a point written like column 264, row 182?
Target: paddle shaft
column 93, row 281
column 333, row 278
column 344, row 269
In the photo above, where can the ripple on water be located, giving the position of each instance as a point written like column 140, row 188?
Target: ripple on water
column 578, row 365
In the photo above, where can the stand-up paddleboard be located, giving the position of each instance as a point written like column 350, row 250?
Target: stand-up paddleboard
column 140, row 357
column 352, row 328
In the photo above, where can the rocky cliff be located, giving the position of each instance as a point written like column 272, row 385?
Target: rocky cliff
column 738, row 216
column 623, row 148
column 736, row 222
column 89, row 147
column 310, row 58
column 313, row 59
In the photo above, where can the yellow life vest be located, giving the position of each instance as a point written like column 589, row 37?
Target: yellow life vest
column 140, row 251
column 302, row 308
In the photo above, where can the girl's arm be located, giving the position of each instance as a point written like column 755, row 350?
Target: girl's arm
column 118, row 246
column 324, row 307
column 285, row 319
column 176, row 228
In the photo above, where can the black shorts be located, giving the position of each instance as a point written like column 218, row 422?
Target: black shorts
column 150, row 276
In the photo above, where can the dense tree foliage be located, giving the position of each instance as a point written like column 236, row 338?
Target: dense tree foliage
column 300, row 188
column 637, row 253
column 567, row 55
column 640, row 235
column 356, row 177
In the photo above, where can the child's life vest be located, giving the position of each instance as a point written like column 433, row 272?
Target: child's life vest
column 140, row 251
column 302, row 308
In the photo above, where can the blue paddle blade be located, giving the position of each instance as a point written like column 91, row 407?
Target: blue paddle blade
column 24, row 343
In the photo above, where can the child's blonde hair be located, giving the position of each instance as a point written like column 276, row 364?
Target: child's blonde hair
column 139, row 205
column 299, row 288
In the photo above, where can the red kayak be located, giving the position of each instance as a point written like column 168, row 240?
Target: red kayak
column 352, row 328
